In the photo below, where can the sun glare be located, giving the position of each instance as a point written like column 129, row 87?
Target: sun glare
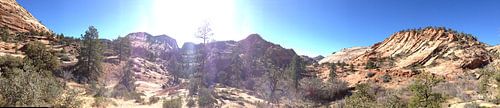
column 180, row 19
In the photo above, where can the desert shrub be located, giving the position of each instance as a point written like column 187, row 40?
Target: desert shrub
column 456, row 89
column 172, row 103
column 98, row 90
column 205, row 98
column 422, row 92
column 314, row 89
column 386, row 78
column 490, row 74
column 26, row 86
column 393, row 100
column 153, row 100
column 362, row 98
column 8, row 64
column 41, row 56
column 371, row 65
column 370, row 74
column 65, row 57
column 70, row 100
column 140, row 100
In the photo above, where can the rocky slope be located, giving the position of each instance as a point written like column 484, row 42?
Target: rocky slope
column 437, row 50
column 144, row 45
column 17, row 19
column 345, row 55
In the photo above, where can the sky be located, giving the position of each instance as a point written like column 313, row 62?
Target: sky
column 310, row 27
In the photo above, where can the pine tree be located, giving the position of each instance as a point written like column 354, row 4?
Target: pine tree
column 333, row 71
column 296, row 68
column 122, row 47
column 423, row 97
column 89, row 60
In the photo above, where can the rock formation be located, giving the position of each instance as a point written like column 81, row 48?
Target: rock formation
column 344, row 55
column 435, row 49
column 17, row 19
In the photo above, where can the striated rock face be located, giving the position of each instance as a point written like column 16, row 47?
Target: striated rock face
column 494, row 49
column 438, row 50
column 146, row 45
column 17, row 19
column 345, row 55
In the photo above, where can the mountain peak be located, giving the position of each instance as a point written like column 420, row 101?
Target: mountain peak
column 254, row 38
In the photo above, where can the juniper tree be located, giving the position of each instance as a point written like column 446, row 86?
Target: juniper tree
column 41, row 56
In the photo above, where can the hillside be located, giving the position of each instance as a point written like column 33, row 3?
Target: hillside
column 437, row 50
column 17, row 19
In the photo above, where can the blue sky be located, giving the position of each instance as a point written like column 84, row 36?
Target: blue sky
column 310, row 27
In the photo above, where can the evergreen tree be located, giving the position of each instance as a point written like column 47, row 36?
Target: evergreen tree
column 89, row 59
column 333, row 71
column 362, row 98
column 296, row 68
column 423, row 97
column 122, row 47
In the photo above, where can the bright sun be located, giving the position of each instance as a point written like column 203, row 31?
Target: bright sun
column 180, row 19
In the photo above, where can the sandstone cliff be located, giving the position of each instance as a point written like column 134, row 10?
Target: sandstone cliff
column 17, row 19
column 435, row 49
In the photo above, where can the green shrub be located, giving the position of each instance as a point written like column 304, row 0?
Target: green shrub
column 70, row 100
column 153, row 100
column 41, row 56
column 370, row 74
column 422, row 92
column 65, row 57
column 173, row 103
column 315, row 89
column 371, row 65
column 394, row 101
column 361, row 98
column 27, row 87
column 386, row 78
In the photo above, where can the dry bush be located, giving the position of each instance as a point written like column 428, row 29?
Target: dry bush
column 172, row 103
column 457, row 89
column 153, row 100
